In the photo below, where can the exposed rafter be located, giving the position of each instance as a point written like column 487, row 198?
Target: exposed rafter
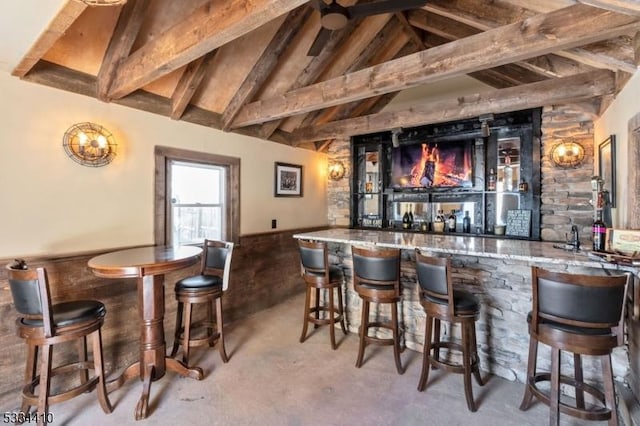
column 541, row 34
column 189, row 83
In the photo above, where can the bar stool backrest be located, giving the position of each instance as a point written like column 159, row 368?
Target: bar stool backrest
column 434, row 278
column 590, row 301
column 376, row 267
column 313, row 257
column 30, row 292
column 216, row 260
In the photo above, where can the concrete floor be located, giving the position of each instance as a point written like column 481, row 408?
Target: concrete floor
column 272, row 379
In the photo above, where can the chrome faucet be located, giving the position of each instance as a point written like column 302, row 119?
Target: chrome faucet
column 575, row 238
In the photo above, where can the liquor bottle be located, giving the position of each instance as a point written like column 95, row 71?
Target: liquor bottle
column 599, row 232
column 451, row 222
column 491, row 183
column 405, row 220
column 508, row 174
column 440, row 216
column 466, row 222
column 410, row 218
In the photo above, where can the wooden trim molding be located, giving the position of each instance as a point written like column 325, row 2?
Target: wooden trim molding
column 162, row 156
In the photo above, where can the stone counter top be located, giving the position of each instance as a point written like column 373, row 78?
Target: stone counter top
column 524, row 250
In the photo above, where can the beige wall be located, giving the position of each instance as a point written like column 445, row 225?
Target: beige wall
column 52, row 205
column 615, row 122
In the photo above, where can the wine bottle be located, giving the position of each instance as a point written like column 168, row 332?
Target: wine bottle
column 466, row 222
column 451, row 222
column 491, row 183
column 410, row 218
column 405, row 220
column 599, row 233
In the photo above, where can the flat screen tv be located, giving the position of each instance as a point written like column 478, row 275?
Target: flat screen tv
column 433, row 165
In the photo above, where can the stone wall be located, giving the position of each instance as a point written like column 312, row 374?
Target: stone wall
column 565, row 193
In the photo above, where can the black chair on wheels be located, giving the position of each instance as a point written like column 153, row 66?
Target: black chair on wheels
column 441, row 302
column 376, row 278
column 583, row 315
column 205, row 288
column 44, row 325
column 319, row 275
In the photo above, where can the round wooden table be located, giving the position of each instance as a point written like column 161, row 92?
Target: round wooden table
column 148, row 265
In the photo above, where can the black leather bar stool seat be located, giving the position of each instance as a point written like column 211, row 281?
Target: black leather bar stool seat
column 376, row 279
column 582, row 315
column 44, row 325
column 206, row 288
column 319, row 275
column 441, row 302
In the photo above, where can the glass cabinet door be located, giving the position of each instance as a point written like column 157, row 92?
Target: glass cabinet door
column 368, row 187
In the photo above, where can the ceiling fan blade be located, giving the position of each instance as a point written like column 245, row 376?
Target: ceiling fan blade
column 318, row 44
column 383, row 6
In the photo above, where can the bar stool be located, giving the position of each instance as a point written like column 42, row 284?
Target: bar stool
column 376, row 278
column 441, row 302
column 584, row 315
column 43, row 326
column 205, row 288
column 319, row 275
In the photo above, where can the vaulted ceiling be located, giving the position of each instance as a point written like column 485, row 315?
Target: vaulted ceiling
column 244, row 66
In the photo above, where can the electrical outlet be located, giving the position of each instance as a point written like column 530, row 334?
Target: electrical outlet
column 274, row 224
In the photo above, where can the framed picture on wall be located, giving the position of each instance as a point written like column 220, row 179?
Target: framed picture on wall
column 288, row 180
column 607, row 166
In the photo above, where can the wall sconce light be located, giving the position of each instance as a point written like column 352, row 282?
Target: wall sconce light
column 336, row 170
column 89, row 144
column 485, row 130
column 567, row 154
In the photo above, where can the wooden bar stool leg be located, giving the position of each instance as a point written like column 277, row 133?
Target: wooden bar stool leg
column 364, row 330
column 426, row 351
column 474, row 353
column 577, row 371
column 98, row 365
column 332, row 329
column 531, row 371
column 307, row 311
column 81, row 345
column 396, row 337
column 210, row 331
column 186, row 335
column 317, row 304
column 466, row 361
column 436, row 340
column 220, row 326
column 179, row 328
column 45, row 383
column 609, row 391
column 30, row 372
column 554, row 394
column 341, row 311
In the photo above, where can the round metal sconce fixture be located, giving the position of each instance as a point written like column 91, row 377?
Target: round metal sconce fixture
column 336, row 170
column 89, row 144
column 567, row 154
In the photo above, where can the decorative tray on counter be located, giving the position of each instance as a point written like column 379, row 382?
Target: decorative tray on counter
column 618, row 258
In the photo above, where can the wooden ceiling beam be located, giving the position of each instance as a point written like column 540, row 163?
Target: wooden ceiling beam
column 188, row 84
column 124, row 35
column 266, row 63
column 483, row 20
column 548, row 92
column 636, row 49
column 314, row 69
column 566, row 28
column 410, row 30
column 628, row 7
column 208, row 27
column 56, row 29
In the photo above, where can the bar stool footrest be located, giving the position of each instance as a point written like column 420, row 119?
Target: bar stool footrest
column 28, row 391
column 323, row 321
column 593, row 413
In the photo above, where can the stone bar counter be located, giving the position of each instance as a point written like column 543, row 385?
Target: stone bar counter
column 498, row 271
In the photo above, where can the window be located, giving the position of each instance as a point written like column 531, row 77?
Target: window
column 197, row 197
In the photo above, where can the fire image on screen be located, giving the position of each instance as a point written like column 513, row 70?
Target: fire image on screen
column 433, row 165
